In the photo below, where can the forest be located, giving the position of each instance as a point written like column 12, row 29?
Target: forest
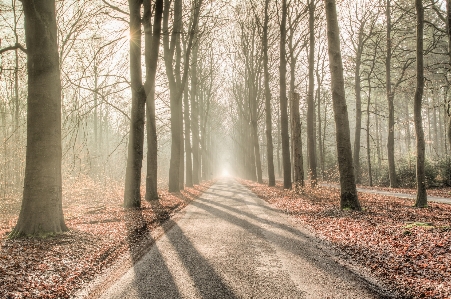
column 116, row 116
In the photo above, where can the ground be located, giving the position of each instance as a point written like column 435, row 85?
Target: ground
column 231, row 244
column 389, row 243
column 406, row 247
column 101, row 232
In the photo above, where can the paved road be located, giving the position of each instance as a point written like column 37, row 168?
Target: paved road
column 231, row 244
column 395, row 194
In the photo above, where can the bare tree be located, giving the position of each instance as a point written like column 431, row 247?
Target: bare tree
column 132, row 192
column 421, row 199
column 269, row 142
column 152, row 51
column 284, row 101
column 41, row 213
column 348, row 198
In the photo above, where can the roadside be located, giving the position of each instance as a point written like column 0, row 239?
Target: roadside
column 442, row 195
column 404, row 247
column 102, row 232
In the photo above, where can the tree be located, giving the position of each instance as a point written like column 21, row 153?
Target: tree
column 348, row 197
column 311, row 136
column 284, row 101
column 269, row 143
column 448, row 27
column 152, row 51
column 391, row 107
column 177, row 77
column 421, row 199
column 132, row 192
column 297, row 142
column 41, row 213
column 195, row 116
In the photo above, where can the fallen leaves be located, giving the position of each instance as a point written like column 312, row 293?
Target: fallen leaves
column 101, row 232
column 405, row 247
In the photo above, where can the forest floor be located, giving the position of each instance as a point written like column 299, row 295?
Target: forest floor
column 101, row 232
column 402, row 246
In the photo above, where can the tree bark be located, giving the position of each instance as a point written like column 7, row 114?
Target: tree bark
column 284, row 101
column 368, row 148
column 297, row 142
column 188, row 151
column 311, row 138
column 269, row 143
column 421, row 199
column 132, row 192
column 448, row 27
column 176, row 87
column 349, row 199
column 151, row 71
column 195, row 116
column 391, row 107
column 358, row 104
column 41, row 212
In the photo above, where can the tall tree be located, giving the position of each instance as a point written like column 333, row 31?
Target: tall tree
column 177, row 76
column 348, row 197
column 195, row 115
column 269, row 143
column 298, row 163
column 390, row 100
column 284, row 101
column 421, row 199
column 311, row 136
column 132, row 192
column 41, row 213
column 448, row 28
column 152, row 49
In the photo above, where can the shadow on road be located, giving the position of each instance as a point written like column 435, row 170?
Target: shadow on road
column 139, row 239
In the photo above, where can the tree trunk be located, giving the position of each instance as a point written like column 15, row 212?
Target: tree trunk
column 391, row 108
column 41, row 212
column 297, row 142
column 448, row 28
column 189, row 164
column 284, row 101
column 269, row 144
column 358, row 105
column 368, row 148
column 311, row 138
column 177, row 84
column 349, row 199
column 421, row 199
column 132, row 193
column 151, row 71
column 195, row 115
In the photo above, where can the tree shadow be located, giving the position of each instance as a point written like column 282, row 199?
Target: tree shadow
column 140, row 242
column 208, row 283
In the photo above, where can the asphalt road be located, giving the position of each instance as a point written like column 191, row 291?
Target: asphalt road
column 231, row 244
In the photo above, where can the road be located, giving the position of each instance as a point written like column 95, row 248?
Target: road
column 231, row 244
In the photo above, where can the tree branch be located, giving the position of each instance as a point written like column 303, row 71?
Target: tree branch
column 16, row 46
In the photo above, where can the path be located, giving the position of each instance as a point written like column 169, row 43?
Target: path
column 231, row 244
column 395, row 194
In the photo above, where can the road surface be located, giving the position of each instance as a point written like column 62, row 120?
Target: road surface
column 231, row 244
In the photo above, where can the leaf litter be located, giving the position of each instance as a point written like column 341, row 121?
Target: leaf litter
column 402, row 246
column 101, row 231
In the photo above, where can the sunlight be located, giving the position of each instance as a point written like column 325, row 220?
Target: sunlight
column 225, row 172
